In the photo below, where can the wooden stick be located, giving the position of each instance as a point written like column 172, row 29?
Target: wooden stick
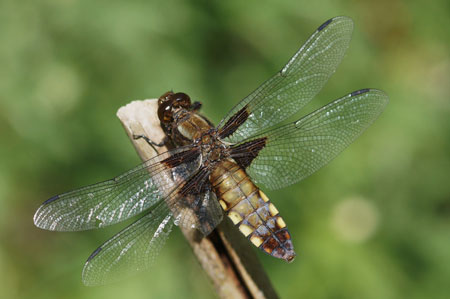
column 225, row 255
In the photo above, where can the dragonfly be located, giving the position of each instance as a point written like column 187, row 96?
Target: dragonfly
column 214, row 171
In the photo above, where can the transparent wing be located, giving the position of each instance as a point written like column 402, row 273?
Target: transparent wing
column 297, row 150
column 131, row 250
column 120, row 198
column 201, row 211
column 209, row 214
column 193, row 204
column 296, row 84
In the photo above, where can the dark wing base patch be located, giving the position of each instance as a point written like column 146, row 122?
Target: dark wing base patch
column 234, row 122
column 244, row 153
column 182, row 157
column 197, row 184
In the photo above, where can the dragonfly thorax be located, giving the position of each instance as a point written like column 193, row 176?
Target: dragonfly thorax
column 212, row 148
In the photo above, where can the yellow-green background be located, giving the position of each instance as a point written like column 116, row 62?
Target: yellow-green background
column 374, row 223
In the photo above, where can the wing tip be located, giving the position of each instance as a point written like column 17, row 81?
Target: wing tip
column 358, row 92
column 52, row 199
column 334, row 20
column 37, row 218
column 321, row 27
column 381, row 93
column 85, row 277
column 94, row 254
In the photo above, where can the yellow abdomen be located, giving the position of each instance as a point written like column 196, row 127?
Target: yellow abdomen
column 251, row 211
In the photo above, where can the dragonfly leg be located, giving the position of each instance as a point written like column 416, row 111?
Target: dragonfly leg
column 151, row 142
column 196, row 106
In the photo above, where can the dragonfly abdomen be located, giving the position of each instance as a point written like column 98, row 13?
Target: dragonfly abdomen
column 251, row 210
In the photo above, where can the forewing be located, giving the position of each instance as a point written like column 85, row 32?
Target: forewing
column 131, row 250
column 294, row 86
column 291, row 153
column 120, row 198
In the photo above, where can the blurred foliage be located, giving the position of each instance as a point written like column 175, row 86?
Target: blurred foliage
column 375, row 223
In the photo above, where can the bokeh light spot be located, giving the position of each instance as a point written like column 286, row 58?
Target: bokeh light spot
column 355, row 219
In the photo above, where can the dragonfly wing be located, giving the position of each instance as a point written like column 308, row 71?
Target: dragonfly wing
column 202, row 211
column 120, row 198
column 294, row 86
column 210, row 213
column 194, row 205
column 290, row 153
column 131, row 250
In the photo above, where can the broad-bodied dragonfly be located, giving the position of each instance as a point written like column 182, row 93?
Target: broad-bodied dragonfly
column 214, row 171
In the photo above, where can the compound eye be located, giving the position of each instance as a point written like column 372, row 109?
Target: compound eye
column 181, row 100
column 165, row 112
column 165, row 97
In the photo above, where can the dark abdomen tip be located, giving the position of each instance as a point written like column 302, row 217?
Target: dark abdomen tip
column 285, row 252
column 289, row 256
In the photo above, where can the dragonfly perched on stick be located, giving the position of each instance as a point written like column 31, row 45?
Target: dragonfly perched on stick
column 212, row 171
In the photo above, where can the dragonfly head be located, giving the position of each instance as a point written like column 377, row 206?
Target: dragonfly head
column 169, row 102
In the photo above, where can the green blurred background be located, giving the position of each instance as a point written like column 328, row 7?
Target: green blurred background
column 374, row 223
